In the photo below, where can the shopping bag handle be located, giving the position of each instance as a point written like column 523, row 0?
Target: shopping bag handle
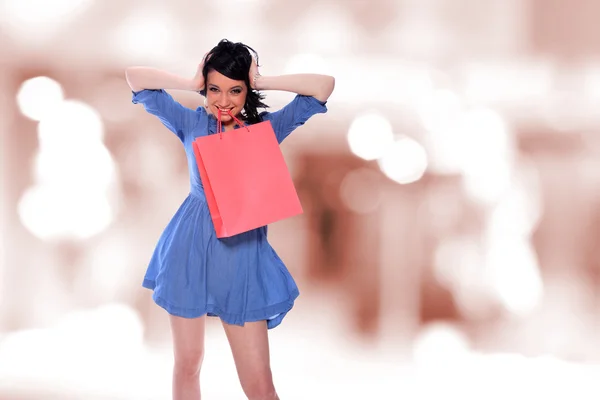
column 219, row 126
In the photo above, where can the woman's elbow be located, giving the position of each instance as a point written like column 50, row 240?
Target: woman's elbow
column 130, row 73
column 327, row 88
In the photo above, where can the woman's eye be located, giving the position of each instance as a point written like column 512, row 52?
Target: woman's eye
column 236, row 91
column 212, row 89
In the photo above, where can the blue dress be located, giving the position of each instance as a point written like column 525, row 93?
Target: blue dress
column 192, row 272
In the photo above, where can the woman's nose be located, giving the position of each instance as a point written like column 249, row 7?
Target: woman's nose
column 223, row 99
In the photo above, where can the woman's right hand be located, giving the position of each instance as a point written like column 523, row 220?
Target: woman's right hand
column 199, row 78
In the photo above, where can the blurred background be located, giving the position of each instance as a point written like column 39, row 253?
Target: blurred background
column 451, row 197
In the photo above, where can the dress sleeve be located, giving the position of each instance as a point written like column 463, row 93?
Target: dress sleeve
column 293, row 115
column 178, row 119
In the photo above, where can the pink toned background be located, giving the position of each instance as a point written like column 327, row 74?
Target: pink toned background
column 451, row 196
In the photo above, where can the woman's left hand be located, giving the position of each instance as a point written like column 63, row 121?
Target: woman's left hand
column 253, row 74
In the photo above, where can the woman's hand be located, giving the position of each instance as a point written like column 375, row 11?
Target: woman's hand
column 253, row 74
column 198, row 80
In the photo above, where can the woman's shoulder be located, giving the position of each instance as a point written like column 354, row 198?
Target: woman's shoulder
column 200, row 110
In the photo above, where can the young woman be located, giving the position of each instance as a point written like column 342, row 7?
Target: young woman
column 193, row 274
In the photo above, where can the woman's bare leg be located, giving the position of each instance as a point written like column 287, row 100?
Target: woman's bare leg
column 188, row 347
column 250, row 347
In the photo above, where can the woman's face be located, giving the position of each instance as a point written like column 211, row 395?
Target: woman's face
column 225, row 94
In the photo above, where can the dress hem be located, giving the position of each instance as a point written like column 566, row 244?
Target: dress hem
column 278, row 310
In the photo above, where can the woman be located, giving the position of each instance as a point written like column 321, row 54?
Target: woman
column 193, row 274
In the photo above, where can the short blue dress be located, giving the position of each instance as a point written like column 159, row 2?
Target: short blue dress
column 192, row 272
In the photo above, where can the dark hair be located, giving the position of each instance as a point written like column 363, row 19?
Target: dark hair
column 234, row 60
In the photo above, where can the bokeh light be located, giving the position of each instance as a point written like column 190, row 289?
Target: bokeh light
column 38, row 97
column 405, row 161
column 370, row 135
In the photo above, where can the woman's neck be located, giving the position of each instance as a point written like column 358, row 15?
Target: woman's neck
column 229, row 126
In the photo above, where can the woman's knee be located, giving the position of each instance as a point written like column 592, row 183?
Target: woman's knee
column 188, row 344
column 266, row 394
column 188, row 363
column 260, row 387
